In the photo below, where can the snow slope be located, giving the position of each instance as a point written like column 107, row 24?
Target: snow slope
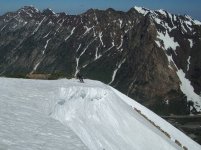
column 66, row 114
column 24, row 124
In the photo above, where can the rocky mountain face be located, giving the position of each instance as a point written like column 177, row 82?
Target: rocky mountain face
column 152, row 56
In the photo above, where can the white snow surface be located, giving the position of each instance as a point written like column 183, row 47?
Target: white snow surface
column 100, row 37
column 46, row 45
column 167, row 40
column 116, row 69
column 121, row 43
column 191, row 42
column 188, row 61
column 38, row 26
column 162, row 12
column 142, row 10
column 188, row 89
column 66, row 114
column 24, row 120
column 71, row 33
column 196, row 22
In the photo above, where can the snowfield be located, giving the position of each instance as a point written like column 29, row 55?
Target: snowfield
column 66, row 114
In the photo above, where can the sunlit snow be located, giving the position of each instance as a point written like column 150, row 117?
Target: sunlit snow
column 191, row 42
column 67, row 114
column 141, row 10
column 168, row 41
column 188, row 90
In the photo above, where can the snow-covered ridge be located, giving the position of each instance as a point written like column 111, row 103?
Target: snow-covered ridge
column 145, row 11
column 86, row 109
column 30, row 8
column 142, row 10
column 94, row 116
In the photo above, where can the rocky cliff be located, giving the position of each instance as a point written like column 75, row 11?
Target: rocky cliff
column 152, row 56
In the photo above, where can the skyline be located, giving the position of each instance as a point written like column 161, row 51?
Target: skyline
column 80, row 6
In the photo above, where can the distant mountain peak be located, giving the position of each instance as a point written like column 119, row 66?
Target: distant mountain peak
column 142, row 10
column 110, row 9
column 48, row 11
column 30, row 9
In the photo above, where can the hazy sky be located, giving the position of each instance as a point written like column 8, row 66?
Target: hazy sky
column 191, row 7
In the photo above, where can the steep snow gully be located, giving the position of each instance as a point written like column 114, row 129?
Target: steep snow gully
column 66, row 114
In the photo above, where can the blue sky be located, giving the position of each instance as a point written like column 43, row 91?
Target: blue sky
column 191, row 7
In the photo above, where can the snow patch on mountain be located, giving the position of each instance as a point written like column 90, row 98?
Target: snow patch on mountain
column 3, row 27
column 71, row 33
column 142, row 10
column 154, row 14
column 196, row 22
column 163, row 12
column 188, row 90
column 46, row 45
column 38, row 26
column 78, row 58
column 35, row 67
column 88, row 29
column 168, row 42
column 97, row 55
column 191, row 42
column 100, row 37
column 121, row 43
column 47, row 35
column 188, row 61
column 116, row 69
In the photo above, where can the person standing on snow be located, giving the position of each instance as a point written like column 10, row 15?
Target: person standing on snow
column 80, row 77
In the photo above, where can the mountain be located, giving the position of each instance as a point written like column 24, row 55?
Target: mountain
column 67, row 114
column 151, row 56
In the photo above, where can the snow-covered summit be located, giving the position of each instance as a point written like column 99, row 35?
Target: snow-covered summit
column 142, row 10
column 60, row 114
column 29, row 9
column 154, row 14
